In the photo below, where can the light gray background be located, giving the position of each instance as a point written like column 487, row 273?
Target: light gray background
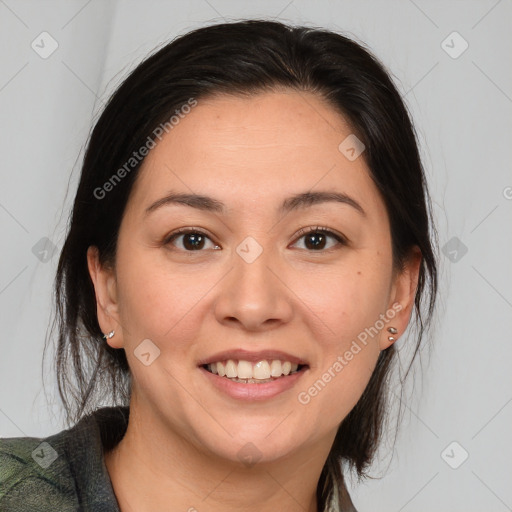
column 462, row 109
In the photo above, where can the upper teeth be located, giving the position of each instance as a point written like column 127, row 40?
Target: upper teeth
column 246, row 370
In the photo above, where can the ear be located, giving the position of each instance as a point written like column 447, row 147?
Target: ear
column 403, row 293
column 105, row 288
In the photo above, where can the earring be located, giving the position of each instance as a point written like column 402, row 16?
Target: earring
column 392, row 330
column 109, row 335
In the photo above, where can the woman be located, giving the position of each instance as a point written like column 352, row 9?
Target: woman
column 250, row 237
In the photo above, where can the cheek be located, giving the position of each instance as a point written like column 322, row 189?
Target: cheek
column 347, row 300
column 349, row 305
column 153, row 298
column 348, row 354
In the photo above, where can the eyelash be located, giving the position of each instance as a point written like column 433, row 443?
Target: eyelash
column 342, row 241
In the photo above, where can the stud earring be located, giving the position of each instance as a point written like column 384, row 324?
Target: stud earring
column 392, row 330
column 109, row 335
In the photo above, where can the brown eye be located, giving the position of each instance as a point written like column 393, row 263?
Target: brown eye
column 317, row 239
column 190, row 240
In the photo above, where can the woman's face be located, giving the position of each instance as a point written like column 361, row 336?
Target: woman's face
column 250, row 283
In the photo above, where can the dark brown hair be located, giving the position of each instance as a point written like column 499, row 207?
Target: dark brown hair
column 242, row 58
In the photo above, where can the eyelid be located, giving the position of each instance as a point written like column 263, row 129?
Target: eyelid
column 184, row 231
column 342, row 240
column 320, row 229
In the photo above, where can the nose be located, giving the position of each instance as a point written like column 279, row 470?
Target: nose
column 254, row 295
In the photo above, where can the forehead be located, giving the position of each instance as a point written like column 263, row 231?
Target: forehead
column 253, row 149
column 276, row 122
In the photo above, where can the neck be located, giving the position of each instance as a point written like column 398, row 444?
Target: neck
column 151, row 471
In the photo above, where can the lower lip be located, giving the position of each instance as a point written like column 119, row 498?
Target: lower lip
column 243, row 391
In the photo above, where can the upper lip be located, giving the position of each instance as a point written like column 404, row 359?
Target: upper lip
column 253, row 357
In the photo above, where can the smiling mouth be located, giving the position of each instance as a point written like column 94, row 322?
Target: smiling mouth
column 246, row 372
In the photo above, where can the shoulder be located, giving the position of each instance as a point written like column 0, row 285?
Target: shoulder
column 63, row 472
column 34, row 475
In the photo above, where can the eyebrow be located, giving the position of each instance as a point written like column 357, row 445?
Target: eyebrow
column 299, row 201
